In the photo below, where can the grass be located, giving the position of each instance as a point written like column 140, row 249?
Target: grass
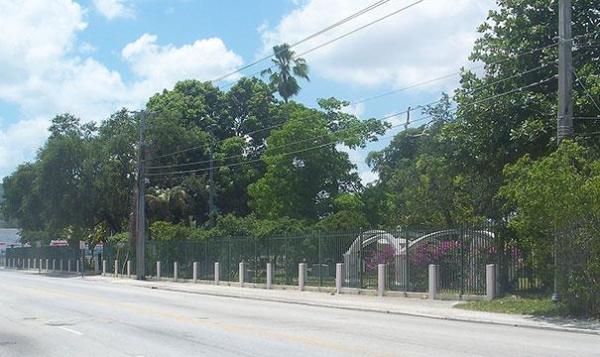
column 535, row 305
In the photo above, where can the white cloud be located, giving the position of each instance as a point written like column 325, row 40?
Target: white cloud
column 47, row 71
column 114, row 9
column 162, row 66
column 368, row 176
column 85, row 48
column 428, row 40
column 355, row 109
column 19, row 142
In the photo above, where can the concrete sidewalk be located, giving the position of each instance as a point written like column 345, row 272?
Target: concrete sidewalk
column 436, row 309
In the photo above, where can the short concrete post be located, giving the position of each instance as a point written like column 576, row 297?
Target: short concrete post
column 380, row 279
column 129, row 269
column 53, row 264
column 28, row 263
column 175, row 271
column 339, row 277
column 40, row 266
column 301, row 276
column 216, row 273
column 195, row 272
column 96, row 265
column 34, row 263
column 242, row 272
column 61, row 266
column 490, row 281
column 116, row 268
column 158, row 270
column 77, row 265
column 69, row 265
column 269, row 275
column 104, row 267
column 47, row 265
column 433, row 281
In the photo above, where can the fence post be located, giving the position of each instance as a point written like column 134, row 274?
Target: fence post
column 462, row 262
column 96, row 265
column 380, row 279
column 175, row 271
column 339, row 275
column 158, row 270
column 40, row 266
column 490, row 281
column 103, row 267
column 216, row 273
column 61, row 265
column 47, row 265
column 116, row 268
column 242, row 272
column 28, row 263
column 269, row 275
column 195, row 272
column 301, row 276
column 77, row 265
column 69, row 265
column 360, row 261
column 320, row 262
column 433, row 281
column 128, row 269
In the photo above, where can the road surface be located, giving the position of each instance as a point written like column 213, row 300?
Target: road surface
column 59, row 316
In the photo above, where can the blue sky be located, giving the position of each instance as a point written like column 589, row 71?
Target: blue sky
column 92, row 57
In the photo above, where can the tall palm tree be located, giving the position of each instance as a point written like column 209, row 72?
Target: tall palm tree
column 288, row 67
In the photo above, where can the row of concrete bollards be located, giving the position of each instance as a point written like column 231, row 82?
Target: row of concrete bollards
column 433, row 283
column 34, row 263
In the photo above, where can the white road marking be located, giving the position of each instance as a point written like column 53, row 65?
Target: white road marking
column 69, row 330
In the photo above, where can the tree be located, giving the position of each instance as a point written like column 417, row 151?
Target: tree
column 305, row 170
column 517, row 47
column 420, row 182
column 288, row 67
column 558, row 197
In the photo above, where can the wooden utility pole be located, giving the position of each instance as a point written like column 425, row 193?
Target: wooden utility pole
column 564, row 125
column 140, row 251
column 212, row 212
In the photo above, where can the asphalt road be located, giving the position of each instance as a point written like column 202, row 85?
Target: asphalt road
column 58, row 316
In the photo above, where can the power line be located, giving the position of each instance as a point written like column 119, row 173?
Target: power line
column 474, row 90
column 327, row 43
column 511, row 56
column 363, row 101
column 305, row 39
column 520, row 89
column 585, row 89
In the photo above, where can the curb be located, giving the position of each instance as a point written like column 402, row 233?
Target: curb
column 365, row 309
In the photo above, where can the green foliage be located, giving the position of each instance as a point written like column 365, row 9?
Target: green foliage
column 288, row 67
column 166, row 231
column 122, row 237
column 559, row 195
column 304, row 184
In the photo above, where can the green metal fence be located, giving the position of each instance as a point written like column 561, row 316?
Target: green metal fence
column 461, row 254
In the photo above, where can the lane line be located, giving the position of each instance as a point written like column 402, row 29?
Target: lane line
column 69, row 330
